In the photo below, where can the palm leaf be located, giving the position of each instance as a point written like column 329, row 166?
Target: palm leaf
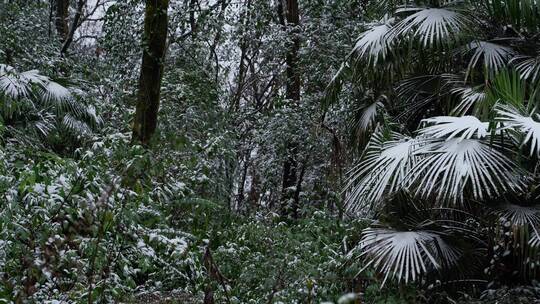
column 528, row 126
column 59, row 97
column 507, row 88
column 334, row 87
column 75, row 126
column 374, row 44
column 469, row 98
column 448, row 127
column 528, row 67
column 12, row 84
column 405, row 255
column 369, row 114
column 447, row 168
column 521, row 215
column 493, row 56
column 431, row 26
column 381, row 171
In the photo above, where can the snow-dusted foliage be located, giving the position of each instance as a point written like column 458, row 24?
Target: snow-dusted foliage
column 383, row 169
column 88, row 216
column 43, row 106
column 459, row 136
column 293, row 151
column 405, row 255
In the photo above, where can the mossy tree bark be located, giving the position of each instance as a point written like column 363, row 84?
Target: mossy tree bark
column 154, row 47
column 62, row 18
column 291, row 183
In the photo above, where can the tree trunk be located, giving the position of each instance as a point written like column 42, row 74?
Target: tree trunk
column 9, row 56
column 293, row 77
column 154, row 45
column 192, row 21
column 245, row 18
column 61, row 19
column 289, row 199
column 69, row 37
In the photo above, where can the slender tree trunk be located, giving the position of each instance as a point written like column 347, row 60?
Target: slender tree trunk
column 192, row 21
column 242, row 70
column 154, row 44
column 293, row 77
column 69, row 37
column 9, row 56
column 61, row 19
column 213, row 54
column 51, row 17
column 289, row 199
column 242, row 184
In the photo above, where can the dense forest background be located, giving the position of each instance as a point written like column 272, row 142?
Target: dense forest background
column 247, row 151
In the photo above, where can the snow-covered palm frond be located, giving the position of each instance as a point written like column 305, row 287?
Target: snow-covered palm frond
column 528, row 67
column 45, row 123
column 94, row 118
column 75, row 126
column 432, row 25
column 528, row 126
column 12, row 84
column 447, row 168
column 374, row 43
column 334, row 87
column 59, row 97
column 53, row 91
column 448, row 127
column 524, row 222
column 19, row 87
column 494, row 56
column 381, row 171
column 33, row 76
column 535, row 239
column 4, row 69
column 43, row 104
column 405, row 255
column 368, row 116
column 521, row 215
column 469, row 98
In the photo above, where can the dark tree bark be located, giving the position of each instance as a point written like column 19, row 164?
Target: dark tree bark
column 192, row 20
column 9, row 56
column 154, row 44
column 245, row 17
column 76, row 22
column 213, row 54
column 61, row 19
column 289, row 197
column 293, row 76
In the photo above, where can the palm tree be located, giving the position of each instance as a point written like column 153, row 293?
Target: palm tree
column 34, row 108
column 456, row 130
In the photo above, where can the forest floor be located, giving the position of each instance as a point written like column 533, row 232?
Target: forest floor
column 270, row 261
column 311, row 260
